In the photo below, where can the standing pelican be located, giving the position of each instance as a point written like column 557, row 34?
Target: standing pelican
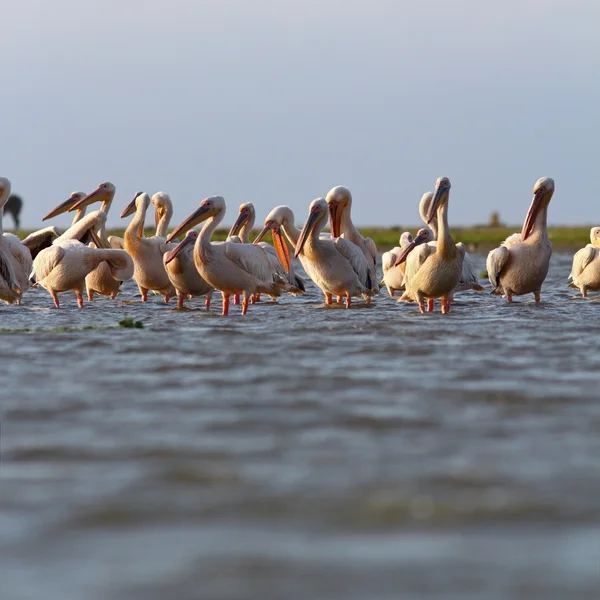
column 585, row 272
column 393, row 276
column 468, row 279
column 65, row 265
column 182, row 272
column 336, row 265
column 147, row 253
column 339, row 202
column 231, row 268
column 520, row 265
column 437, row 265
column 17, row 253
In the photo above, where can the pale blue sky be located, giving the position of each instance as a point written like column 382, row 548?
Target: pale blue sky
column 277, row 102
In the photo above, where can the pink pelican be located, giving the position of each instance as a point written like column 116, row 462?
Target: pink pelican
column 585, row 272
column 393, row 276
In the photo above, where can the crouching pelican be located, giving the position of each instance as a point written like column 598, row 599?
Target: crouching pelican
column 336, row 265
column 435, row 270
column 585, row 272
column 520, row 265
column 393, row 276
column 231, row 268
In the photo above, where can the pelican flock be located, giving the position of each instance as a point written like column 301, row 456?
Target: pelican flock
column 189, row 263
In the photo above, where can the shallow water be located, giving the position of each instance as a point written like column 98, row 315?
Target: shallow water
column 302, row 452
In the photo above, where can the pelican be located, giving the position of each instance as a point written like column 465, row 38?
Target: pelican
column 585, row 272
column 182, row 272
column 241, row 230
column 16, row 252
column 339, row 201
column 468, row 278
column 336, row 265
column 231, row 268
column 520, row 265
column 393, row 277
column 65, row 265
column 436, row 268
column 147, row 253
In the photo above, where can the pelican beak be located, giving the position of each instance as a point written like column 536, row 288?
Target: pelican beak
column 532, row 213
column 98, row 195
column 157, row 217
column 241, row 220
column 439, row 198
column 172, row 254
column 130, row 208
column 421, row 238
column 268, row 227
column 63, row 207
column 200, row 215
column 281, row 247
column 335, row 218
column 308, row 227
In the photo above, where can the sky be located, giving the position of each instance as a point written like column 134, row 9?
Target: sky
column 276, row 102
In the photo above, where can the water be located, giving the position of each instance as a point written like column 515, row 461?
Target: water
column 301, row 452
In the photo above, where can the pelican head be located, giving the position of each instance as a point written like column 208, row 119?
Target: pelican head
column 163, row 207
column 273, row 223
column 317, row 214
column 105, row 192
column 132, row 206
column 595, row 236
column 65, row 206
column 338, row 199
column 190, row 238
column 209, row 207
column 440, row 197
column 423, row 236
column 245, row 215
column 4, row 190
column 405, row 239
column 542, row 194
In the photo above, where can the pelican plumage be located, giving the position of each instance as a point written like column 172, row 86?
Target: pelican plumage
column 339, row 202
column 336, row 265
column 18, row 255
column 393, row 276
column 182, row 272
column 147, row 253
column 231, row 268
column 468, row 278
column 520, row 265
column 65, row 265
column 585, row 272
column 435, row 268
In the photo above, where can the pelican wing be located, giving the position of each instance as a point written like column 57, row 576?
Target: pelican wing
column 38, row 240
column 372, row 249
column 20, row 252
column 6, row 270
column 468, row 277
column 252, row 259
column 116, row 242
column 512, row 240
column 416, row 259
column 354, row 255
column 582, row 259
column 388, row 260
column 496, row 262
column 47, row 260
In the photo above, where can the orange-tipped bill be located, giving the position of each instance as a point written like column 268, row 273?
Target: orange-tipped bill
column 241, row 220
column 422, row 237
column 100, row 194
column 268, row 227
column 335, row 218
column 440, row 195
column 198, row 216
column 190, row 238
column 63, row 207
column 308, row 227
column 131, row 207
column 532, row 213
column 281, row 247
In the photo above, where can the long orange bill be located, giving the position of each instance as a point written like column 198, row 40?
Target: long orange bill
column 172, row 254
column 98, row 195
column 420, row 239
column 335, row 218
column 281, row 247
column 156, row 218
column 532, row 213
column 61, row 208
column 199, row 215
column 308, row 226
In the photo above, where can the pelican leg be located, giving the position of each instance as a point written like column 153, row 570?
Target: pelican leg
column 144, row 293
column 253, row 298
column 79, row 298
column 430, row 305
column 180, row 300
column 90, row 294
column 391, row 291
column 421, row 302
column 256, row 298
column 584, row 293
column 19, row 301
column 113, row 295
column 348, row 301
column 225, row 304
column 55, row 298
column 236, row 298
column 207, row 300
column 338, row 299
column 445, row 306
column 536, row 295
column 368, row 299
column 328, row 298
column 245, row 302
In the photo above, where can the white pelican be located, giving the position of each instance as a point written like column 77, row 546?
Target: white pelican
column 182, row 272
column 585, row 272
column 336, row 265
column 339, row 201
column 520, row 265
column 147, row 253
column 393, row 276
column 17, row 253
column 241, row 230
column 468, row 278
column 434, row 270
column 231, row 268
column 65, row 265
